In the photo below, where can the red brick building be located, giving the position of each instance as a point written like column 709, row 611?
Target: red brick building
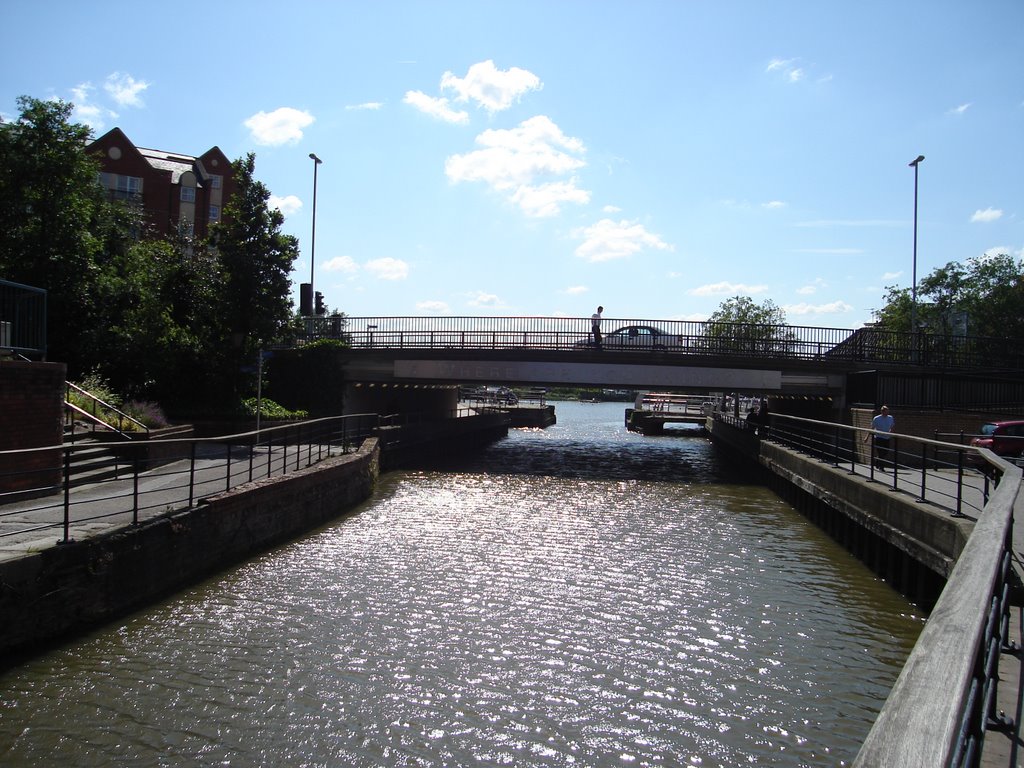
column 175, row 191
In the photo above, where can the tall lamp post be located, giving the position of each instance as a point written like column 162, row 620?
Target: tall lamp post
column 312, row 245
column 913, row 288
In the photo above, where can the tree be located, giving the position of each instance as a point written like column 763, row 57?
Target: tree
column 741, row 325
column 255, row 260
column 982, row 296
column 56, row 226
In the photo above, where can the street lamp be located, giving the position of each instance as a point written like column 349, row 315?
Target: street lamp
column 913, row 288
column 312, row 245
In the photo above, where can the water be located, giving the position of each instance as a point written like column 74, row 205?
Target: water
column 577, row 596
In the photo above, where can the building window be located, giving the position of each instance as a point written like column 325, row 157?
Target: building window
column 121, row 187
column 215, row 182
column 214, row 213
column 188, row 194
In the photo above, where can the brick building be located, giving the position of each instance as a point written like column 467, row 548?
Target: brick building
column 174, row 190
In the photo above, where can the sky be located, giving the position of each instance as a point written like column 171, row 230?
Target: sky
column 541, row 158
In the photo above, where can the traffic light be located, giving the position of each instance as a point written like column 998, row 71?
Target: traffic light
column 319, row 308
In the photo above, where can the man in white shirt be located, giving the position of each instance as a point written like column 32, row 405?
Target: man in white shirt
column 883, row 424
column 595, row 326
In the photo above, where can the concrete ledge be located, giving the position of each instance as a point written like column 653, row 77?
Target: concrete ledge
column 69, row 588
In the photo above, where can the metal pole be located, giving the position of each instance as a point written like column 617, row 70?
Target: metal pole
column 312, row 243
column 913, row 288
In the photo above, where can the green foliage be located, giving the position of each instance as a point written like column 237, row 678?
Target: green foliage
column 740, row 325
column 268, row 409
column 982, row 296
column 146, row 413
column 57, row 229
column 255, row 262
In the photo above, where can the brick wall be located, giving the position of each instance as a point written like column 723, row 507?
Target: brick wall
column 31, row 413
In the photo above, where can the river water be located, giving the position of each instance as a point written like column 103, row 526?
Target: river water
column 575, row 596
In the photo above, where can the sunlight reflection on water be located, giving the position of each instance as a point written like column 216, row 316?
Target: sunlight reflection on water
column 541, row 606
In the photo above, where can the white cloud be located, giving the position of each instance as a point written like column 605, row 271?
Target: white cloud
column 607, row 240
column 366, row 105
column 611, row 209
column 125, row 89
column 433, row 307
column 493, row 89
column 93, row 115
column 282, row 126
column 576, row 290
column 773, row 205
column 960, row 110
column 487, row 300
column 387, row 268
column 544, row 200
column 287, row 205
column 892, row 275
column 435, row 107
column 525, row 162
column 989, row 214
column 788, row 68
column 340, row 264
column 832, row 308
column 728, row 289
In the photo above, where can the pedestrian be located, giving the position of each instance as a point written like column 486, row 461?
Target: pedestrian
column 595, row 326
column 883, row 425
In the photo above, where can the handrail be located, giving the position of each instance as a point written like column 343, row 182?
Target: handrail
column 190, row 468
column 952, row 476
column 945, row 697
column 95, row 401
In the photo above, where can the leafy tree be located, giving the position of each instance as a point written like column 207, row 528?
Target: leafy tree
column 982, row 296
column 155, row 327
column 57, row 228
column 255, row 260
column 741, row 325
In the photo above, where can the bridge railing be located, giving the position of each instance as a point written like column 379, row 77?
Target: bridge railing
column 675, row 337
column 944, row 700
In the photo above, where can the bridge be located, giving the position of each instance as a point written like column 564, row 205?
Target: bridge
column 698, row 357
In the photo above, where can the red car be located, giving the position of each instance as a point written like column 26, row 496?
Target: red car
column 1003, row 438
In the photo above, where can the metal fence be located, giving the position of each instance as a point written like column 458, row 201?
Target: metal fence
column 945, row 699
column 22, row 319
column 148, row 477
column 864, row 345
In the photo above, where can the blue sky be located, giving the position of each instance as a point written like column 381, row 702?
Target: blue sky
column 541, row 158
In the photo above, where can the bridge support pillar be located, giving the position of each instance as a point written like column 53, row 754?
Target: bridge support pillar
column 386, row 399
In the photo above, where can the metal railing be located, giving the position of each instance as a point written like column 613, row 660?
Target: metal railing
column 98, row 412
column 864, row 345
column 945, row 699
column 22, row 319
column 957, row 478
column 185, row 470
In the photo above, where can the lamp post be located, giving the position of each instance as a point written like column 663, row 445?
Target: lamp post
column 312, row 245
column 913, row 288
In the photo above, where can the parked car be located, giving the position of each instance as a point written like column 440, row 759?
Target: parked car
column 1003, row 438
column 634, row 337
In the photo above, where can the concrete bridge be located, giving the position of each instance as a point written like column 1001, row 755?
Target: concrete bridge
column 397, row 359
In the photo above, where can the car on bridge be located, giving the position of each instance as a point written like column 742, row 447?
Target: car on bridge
column 1003, row 438
column 640, row 337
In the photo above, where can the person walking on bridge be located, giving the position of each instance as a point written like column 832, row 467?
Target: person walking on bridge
column 595, row 326
column 883, row 425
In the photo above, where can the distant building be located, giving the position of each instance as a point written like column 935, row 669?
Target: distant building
column 177, row 192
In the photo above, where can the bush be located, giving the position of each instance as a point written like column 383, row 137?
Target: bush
column 149, row 414
column 270, row 410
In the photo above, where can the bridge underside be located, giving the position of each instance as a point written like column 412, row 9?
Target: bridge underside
column 606, row 370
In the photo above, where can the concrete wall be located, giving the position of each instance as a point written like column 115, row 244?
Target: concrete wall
column 69, row 588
